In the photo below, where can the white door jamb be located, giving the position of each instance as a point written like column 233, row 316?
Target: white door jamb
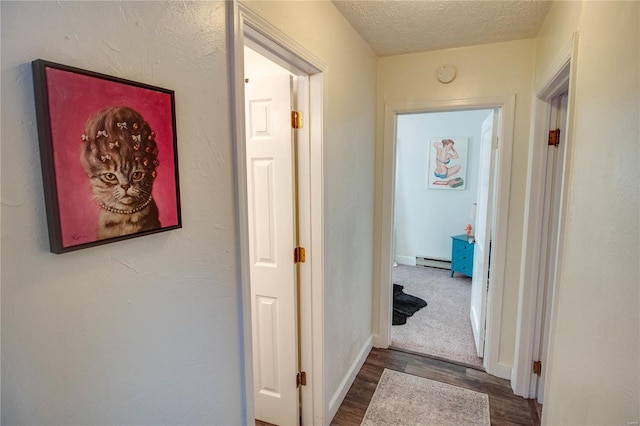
column 506, row 104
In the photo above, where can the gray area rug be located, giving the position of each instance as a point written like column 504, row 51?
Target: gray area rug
column 442, row 329
column 403, row 399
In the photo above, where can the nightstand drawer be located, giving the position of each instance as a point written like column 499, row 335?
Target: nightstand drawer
column 462, row 255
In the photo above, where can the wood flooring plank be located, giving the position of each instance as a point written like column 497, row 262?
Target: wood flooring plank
column 482, row 375
column 510, row 411
column 535, row 410
column 436, row 364
column 393, row 361
column 347, row 419
column 505, row 407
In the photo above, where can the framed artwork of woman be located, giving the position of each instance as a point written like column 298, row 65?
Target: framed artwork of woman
column 447, row 163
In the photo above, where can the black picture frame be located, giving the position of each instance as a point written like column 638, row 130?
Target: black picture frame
column 130, row 164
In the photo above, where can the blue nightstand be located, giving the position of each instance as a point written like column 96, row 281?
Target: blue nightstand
column 461, row 255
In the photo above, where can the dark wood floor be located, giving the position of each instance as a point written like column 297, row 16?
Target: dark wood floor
column 505, row 407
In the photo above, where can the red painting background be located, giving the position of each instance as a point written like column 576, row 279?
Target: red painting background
column 73, row 99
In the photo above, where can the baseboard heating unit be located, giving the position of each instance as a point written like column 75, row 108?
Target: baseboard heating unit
column 433, row 263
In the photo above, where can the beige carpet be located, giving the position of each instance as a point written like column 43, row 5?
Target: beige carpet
column 403, row 399
column 442, row 329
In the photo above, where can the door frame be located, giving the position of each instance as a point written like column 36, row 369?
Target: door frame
column 561, row 77
column 549, row 237
column 506, row 105
column 245, row 26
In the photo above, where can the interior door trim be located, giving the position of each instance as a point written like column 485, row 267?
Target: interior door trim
column 382, row 309
column 560, row 78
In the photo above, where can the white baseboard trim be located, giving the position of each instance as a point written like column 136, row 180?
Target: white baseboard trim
column 346, row 383
column 379, row 342
column 406, row 260
column 501, row 370
column 433, row 262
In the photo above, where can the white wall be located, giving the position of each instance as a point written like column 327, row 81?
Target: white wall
column 594, row 362
column 554, row 36
column 500, row 69
column 349, row 143
column 425, row 219
column 256, row 65
column 143, row 331
column 146, row 330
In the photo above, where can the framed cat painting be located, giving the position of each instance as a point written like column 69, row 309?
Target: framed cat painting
column 108, row 151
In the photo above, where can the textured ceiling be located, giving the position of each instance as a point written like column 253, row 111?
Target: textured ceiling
column 394, row 27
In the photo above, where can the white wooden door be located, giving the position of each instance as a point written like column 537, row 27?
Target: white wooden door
column 482, row 246
column 270, row 184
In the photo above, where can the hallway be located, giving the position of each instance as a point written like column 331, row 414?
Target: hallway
column 506, row 408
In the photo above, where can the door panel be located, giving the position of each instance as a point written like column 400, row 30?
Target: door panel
column 263, row 240
column 270, row 166
column 482, row 246
column 267, row 332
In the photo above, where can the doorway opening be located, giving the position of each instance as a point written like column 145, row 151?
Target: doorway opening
column 441, row 177
column 488, row 316
column 279, row 204
column 273, row 224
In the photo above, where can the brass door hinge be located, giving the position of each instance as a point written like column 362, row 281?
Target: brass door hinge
column 554, row 137
column 296, row 120
column 301, row 379
column 299, row 255
column 537, row 367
